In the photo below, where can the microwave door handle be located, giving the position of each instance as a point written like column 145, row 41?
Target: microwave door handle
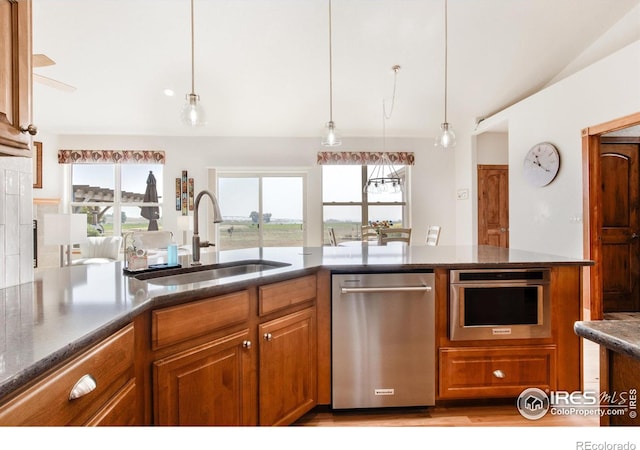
column 361, row 290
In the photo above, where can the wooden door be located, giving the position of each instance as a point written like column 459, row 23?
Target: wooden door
column 211, row 384
column 620, row 261
column 15, row 77
column 288, row 367
column 493, row 205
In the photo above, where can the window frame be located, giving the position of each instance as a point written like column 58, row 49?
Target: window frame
column 364, row 204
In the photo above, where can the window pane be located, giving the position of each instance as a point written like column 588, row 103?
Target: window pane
column 92, row 182
column 133, row 180
column 98, row 220
column 392, row 213
column 131, row 219
column 342, row 183
column 345, row 220
column 282, row 205
column 238, row 199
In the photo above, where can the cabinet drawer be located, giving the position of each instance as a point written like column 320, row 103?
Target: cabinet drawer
column 495, row 372
column 273, row 297
column 179, row 323
column 110, row 363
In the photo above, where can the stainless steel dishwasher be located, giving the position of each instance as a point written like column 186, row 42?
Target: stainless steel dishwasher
column 383, row 340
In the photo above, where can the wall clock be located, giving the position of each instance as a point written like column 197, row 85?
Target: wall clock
column 541, row 164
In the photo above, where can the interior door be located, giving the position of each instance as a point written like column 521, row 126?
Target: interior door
column 493, row 205
column 620, row 227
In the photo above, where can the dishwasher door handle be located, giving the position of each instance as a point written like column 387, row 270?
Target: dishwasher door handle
column 360, row 290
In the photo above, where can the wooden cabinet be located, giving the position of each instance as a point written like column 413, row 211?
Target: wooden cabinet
column 15, row 77
column 288, row 367
column 96, row 388
column 244, row 358
column 211, row 384
column 495, row 372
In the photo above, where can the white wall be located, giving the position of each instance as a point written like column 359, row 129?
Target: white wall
column 549, row 219
column 432, row 177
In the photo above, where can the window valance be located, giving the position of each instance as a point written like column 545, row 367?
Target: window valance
column 365, row 158
column 111, row 157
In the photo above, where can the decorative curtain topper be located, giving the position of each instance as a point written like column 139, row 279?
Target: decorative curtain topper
column 365, row 158
column 111, row 157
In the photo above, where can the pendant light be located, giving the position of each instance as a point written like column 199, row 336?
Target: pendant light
column 330, row 138
column 193, row 113
column 446, row 138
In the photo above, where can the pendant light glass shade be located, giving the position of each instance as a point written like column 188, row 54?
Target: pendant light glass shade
column 446, row 138
column 193, row 113
column 331, row 138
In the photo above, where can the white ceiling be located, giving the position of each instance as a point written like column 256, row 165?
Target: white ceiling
column 262, row 66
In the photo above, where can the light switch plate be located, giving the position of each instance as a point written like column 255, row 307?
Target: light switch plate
column 463, row 194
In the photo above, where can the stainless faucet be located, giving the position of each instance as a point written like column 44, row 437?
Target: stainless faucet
column 217, row 218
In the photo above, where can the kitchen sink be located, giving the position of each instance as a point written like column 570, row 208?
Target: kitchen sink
column 198, row 274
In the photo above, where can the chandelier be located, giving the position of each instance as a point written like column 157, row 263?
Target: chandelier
column 384, row 178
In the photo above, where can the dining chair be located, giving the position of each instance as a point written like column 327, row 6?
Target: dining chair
column 332, row 237
column 397, row 235
column 433, row 234
column 369, row 233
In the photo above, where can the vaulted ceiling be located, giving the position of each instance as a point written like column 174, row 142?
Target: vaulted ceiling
column 262, row 66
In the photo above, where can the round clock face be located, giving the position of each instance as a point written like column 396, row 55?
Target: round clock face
column 541, row 164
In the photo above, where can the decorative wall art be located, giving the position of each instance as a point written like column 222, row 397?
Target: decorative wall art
column 184, row 193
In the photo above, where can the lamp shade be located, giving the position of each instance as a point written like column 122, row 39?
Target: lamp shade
column 65, row 229
column 185, row 223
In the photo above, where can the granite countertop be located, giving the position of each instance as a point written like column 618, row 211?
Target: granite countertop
column 65, row 310
column 620, row 335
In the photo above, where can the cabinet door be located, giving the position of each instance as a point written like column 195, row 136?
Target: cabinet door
column 120, row 411
column 15, row 76
column 212, row 384
column 288, row 363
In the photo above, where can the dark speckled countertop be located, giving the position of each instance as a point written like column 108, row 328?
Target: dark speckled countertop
column 622, row 335
column 65, row 310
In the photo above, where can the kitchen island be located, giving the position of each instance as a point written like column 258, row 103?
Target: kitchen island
column 66, row 311
column 619, row 339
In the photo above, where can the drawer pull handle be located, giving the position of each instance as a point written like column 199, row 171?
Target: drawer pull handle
column 267, row 336
column 246, row 344
column 84, row 385
column 498, row 373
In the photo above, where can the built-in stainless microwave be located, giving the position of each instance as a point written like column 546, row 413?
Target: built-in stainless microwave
column 499, row 304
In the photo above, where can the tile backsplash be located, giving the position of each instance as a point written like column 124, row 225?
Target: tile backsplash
column 16, row 221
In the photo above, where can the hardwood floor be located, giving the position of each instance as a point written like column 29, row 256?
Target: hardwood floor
column 495, row 415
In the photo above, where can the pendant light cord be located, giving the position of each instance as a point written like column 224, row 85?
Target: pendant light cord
column 330, row 69
column 446, row 52
column 193, row 83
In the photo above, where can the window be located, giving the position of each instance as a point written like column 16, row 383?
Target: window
column 113, row 197
column 346, row 206
column 261, row 210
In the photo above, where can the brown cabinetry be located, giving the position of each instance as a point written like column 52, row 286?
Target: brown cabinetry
column 15, row 78
column 244, row 358
column 96, row 388
column 288, row 367
column 210, row 384
column 495, row 372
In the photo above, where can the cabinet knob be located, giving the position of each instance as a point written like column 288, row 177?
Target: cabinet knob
column 31, row 129
column 246, row 344
column 498, row 373
column 267, row 336
column 82, row 387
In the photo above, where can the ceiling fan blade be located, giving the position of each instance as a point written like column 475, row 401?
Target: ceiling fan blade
column 53, row 83
column 42, row 60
